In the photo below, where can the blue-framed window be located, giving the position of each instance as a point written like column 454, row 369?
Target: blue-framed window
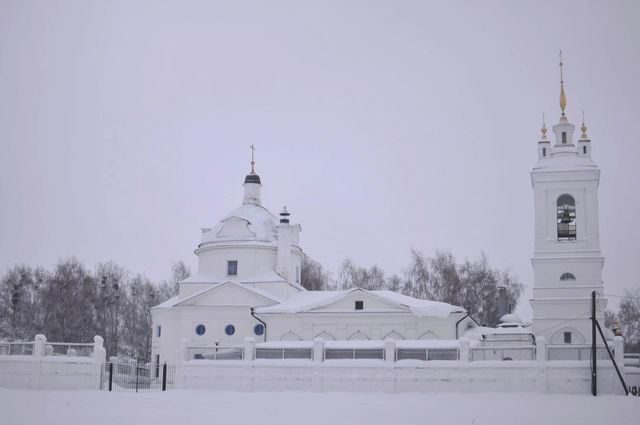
column 158, row 331
column 230, row 330
column 200, row 330
column 232, row 268
column 258, row 329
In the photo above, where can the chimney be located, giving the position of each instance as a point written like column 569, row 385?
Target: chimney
column 283, row 262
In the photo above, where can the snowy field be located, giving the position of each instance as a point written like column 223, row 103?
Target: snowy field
column 206, row 407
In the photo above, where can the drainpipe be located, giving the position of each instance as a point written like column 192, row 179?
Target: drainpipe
column 462, row 318
column 261, row 321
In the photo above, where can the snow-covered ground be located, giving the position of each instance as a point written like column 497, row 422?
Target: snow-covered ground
column 206, row 407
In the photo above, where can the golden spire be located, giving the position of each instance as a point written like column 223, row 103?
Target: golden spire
column 584, row 129
column 543, row 129
column 563, row 98
column 253, row 163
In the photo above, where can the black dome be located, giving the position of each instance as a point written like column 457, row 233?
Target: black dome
column 252, row 178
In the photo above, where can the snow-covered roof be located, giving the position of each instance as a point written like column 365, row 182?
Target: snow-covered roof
column 260, row 225
column 177, row 301
column 310, row 300
column 168, row 303
column 200, row 278
column 256, row 291
column 564, row 162
column 268, row 276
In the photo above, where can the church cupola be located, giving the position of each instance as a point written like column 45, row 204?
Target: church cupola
column 252, row 184
column 584, row 144
column 284, row 216
column 544, row 146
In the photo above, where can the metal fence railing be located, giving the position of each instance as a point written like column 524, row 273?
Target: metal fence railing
column 216, row 353
column 284, row 353
column 502, row 353
column 632, row 359
column 427, row 354
column 354, row 353
column 68, row 350
column 137, row 377
column 16, row 348
column 575, row 352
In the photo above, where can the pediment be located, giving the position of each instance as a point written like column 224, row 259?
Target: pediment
column 229, row 294
column 371, row 302
column 235, row 227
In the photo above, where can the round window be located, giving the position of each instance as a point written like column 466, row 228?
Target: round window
column 258, row 329
column 200, row 329
column 230, row 330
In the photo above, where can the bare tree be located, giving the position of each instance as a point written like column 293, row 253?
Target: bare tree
column 312, row 275
column 68, row 303
column 629, row 316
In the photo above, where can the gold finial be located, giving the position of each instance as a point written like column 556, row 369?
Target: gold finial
column 253, row 163
column 563, row 98
column 544, row 128
column 584, row 129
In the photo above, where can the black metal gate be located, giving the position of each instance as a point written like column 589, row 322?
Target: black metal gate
column 137, row 377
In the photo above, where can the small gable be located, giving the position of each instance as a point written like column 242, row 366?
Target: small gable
column 229, row 294
column 235, row 227
column 360, row 300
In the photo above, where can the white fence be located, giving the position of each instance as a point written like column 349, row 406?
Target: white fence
column 390, row 366
column 51, row 365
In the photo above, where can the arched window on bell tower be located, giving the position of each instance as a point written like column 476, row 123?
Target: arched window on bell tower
column 564, row 137
column 566, row 217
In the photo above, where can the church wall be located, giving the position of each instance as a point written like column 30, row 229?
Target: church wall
column 342, row 326
column 380, row 376
column 252, row 260
column 587, row 271
column 180, row 323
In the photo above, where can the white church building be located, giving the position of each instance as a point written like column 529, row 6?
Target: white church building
column 249, row 265
column 248, row 285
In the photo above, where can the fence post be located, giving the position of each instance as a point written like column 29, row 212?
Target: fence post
column 464, row 350
column 99, row 352
column 465, row 369
column 38, row 346
column 316, row 365
column 249, row 348
column 542, row 373
column 38, row 354
column 136, row 375
column 388, row 384
column 390, row 350
column 164, row 376
column 182, row 356
column 618, row 355
column 110, row 376
column 318, row 349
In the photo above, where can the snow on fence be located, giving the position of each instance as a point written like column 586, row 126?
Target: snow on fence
column 69, row 350
column 576, row 352
column 378, row 350
column 16, row 348
column 217, row 352
column 284, row 353
column 40, row 364
column 503, row 353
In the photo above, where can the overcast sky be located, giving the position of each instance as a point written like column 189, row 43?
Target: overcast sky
column 125, row 126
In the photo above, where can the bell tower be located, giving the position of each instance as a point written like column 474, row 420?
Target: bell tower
column 567, row 261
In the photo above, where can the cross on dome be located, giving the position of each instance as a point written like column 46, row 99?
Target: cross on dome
column 563, row 97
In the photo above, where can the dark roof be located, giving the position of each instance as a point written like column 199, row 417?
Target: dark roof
column 252, row 178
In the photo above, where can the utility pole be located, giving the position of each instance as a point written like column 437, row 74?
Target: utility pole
column 594, row 383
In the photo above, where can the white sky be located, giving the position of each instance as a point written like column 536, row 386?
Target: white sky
column 125, row 126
